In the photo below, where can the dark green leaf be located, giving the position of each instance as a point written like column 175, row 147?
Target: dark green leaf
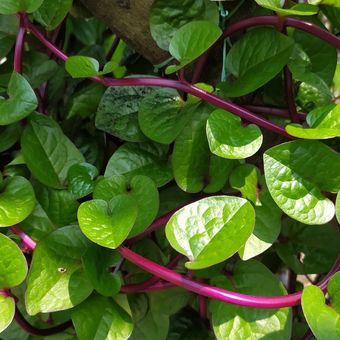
column 9, row 135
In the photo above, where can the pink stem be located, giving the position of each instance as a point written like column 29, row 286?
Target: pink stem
column 27, row 242
column 215, row 292
column 272, row 111
column 5, row 293
column 19, row 45
column 202, row 307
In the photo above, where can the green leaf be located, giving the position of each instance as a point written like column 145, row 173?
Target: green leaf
column 83, row 67
column 235, row 322
column 17, row 200
column 296, row 179
column 13, row 265
column 118, row 109
column 190, row 41
column 145, row 159
column 333, row 14
column 7, row 307
column 108, row 223
column 48, row 153
column 338, row 207
column 143, row 191
column 334, row 291
column 101, row 318
column 228, row 139
column 319, row 245
column 162, row 115
column 55, row 282
column 166, row 17
column 259, row 49
column 244, row 179
column 14, row 6
column 80, row 179
column 51, row 13
column 98, row 263
column 334, row 3
column 9, row 135
column 211, row 230
column 21, row 102
column 267, row 226
column 323, row 320
column 324, row 122
column 299, row 9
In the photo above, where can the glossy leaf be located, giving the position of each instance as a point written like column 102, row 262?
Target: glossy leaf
column 166, row 17
column 108, row 223
column 17, row 200
column 141, row 189
column 140, row 159
column 319, row 245
column 258, row 50
column 15, row 6
column 118, row 109
column 231, row 321
column 7, row 307
column 323, row 320
column 13, row 265
column 80, row 179
column 162, row 115
column 299, row 9
column 333, row 289
column 21, row 102
column 55, row 282
column 190, row 41
column 296, row 179
column 101, row 318
column 211, row 230
column 48, row 153
column 338, row 207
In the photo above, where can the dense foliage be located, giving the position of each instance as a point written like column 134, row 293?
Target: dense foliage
column 170, row 201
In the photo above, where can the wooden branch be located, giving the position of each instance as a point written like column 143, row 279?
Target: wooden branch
column 129, row 19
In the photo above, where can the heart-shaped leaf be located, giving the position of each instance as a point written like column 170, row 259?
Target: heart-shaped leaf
column 108, row 223
column 48, row 153
column 299, row 9
column 228, row 139
column 296, row 179
column 17, row 200
column 258, row 50
column 143, row 191
column 236, row 322
column 15, row 6
column 324, row 122
column 190, row 41
column 7, row 307
column 80, row 179
column 101, row 318
column 211, row 230
column 323, row 320
column 55, row 282
column 21, row 102
column 13, row 265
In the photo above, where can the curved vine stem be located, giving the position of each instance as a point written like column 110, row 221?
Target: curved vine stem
column 19, row 45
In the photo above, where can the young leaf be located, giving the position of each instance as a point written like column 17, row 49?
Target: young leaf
column 80, row 179
column 143, row 191
column 211, row 230
column 190, row 41
column 258, row 50
column 145, row 159
column 55, row 282
column 228, row 139
column 101, row 318
column 299, row 9
column 17, row 200
column 108, row 223
column 48, row 153
column 166, row 17
column 15, row 6
column 231, row 321
column 118, row 109
column 296, row 179
column 21, row 102
column 323, row 320
column 7, row 308
column 334, row 291
column 13, row 265
column 324, row 122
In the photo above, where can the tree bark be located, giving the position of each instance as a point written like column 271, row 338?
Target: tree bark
column 129, row 19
